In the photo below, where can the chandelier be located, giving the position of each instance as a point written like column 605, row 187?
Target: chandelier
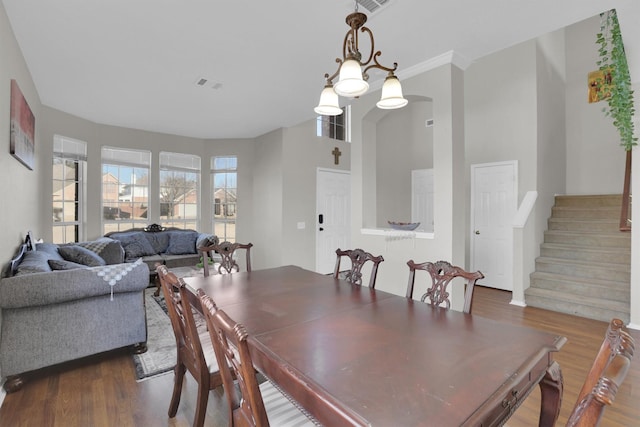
column 352, row 73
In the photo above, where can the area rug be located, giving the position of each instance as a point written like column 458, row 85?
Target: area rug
column 160, row 356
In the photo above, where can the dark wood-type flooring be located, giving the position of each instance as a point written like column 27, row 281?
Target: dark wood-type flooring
column 102, row 391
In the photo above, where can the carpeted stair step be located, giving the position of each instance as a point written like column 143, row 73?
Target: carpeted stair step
column 589, row 287
column 581, row 213
column 589, row 201
column 588, row 269
column 578, row 305
column 583, row 253
column 618, row 239
column 585, row 225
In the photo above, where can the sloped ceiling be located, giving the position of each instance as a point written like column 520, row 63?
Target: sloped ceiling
column 135, row 63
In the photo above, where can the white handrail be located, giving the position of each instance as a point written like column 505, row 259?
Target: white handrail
column 521, row 217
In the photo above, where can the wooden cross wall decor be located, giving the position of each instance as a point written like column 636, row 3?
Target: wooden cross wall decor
column 336, row 156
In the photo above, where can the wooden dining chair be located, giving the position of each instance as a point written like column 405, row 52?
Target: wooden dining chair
column 258, row 404
column 607, row 373
column 194, row 351
column 226, row 250
column 442, row 273
column 358, row 258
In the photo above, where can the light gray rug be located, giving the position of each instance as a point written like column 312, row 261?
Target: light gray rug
column 160, row 356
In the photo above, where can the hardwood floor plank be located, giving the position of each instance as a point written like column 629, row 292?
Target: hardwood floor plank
column 102, row 390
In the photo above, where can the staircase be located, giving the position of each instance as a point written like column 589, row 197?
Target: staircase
column 584, row 264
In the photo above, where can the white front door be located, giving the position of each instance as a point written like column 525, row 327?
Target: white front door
column 422, row 199
column 333, row 216
column 494, row 193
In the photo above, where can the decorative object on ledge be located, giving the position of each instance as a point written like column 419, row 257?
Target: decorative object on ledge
column 406, row 226
column 154, row 228
column 352, row 72
column 23, row 128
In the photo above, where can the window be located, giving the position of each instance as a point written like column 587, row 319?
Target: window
column 334, row 127
column 125, row 188
column 224, row 175
column 179, row 190
column 69, row 166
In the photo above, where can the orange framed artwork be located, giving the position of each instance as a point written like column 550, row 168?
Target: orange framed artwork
column 600, row 83
column 22, row 140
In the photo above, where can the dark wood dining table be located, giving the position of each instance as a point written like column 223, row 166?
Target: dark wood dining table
column 351, row 355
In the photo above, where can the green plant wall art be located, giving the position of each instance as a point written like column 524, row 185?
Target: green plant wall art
column 612, row 82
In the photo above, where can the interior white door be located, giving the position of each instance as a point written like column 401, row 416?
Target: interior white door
column 422, row 199
column 333, row 216
column 494, row 204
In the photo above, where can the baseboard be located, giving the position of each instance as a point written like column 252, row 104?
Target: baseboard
column 2, row 392
column 633, row 326
column 518, row 303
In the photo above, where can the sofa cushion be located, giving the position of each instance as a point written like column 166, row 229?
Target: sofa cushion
column 34, row 262
column 57, row 264
column 80, row 255
column 50, row 248
column 182, row 242
column 159, row 241
column 135, row 245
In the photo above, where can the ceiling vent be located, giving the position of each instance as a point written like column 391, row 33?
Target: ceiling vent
column 373, row 6
column 204, row 82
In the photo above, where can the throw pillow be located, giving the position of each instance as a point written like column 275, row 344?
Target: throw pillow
column 136, row 245
column 57, row 264
column 182, row 243
column 81, row 255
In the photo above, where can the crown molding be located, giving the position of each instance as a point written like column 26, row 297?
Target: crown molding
column 450, row 57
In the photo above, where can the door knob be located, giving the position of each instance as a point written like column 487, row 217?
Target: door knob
column 477, row 231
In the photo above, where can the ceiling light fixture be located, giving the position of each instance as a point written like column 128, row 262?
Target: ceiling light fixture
column 352, row 73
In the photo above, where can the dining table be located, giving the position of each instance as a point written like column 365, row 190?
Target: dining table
column 351, row 355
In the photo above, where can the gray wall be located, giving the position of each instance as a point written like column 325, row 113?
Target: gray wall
column 595, row 160
column 19, row 186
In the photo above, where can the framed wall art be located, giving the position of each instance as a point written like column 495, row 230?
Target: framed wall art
column 23, row 128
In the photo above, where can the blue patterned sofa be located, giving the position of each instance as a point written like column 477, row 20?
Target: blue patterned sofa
column 63, row 302
column 173, row 247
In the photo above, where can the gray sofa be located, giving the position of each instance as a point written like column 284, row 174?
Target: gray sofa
column 58, row 308
column 173, row 247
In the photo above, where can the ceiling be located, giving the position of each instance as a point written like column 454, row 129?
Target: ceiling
column 135, row 63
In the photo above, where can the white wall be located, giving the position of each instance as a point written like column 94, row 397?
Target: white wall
column 303, row 154
column 403, row 143
column 445, row 86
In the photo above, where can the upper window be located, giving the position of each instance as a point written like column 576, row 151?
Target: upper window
column 179, row 190
column 125, row 188
column 69, row 168
column 224, row 176
column 334, row 127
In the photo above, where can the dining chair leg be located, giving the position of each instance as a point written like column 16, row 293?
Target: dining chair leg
column 201, row 405
column 179, row 371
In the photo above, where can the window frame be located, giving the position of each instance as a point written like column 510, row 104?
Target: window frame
column 137, row 160
column 181, row 164
column 228, row 222
column 69, row 150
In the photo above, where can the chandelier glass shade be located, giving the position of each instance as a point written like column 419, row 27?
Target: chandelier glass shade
column 352, row 73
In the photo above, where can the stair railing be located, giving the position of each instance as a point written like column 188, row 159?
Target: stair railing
column 625, row 212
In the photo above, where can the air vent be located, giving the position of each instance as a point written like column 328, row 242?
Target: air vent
column 204, row 82
column 372, row 5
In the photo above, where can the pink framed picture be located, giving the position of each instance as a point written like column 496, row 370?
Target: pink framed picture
column 23, row 128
